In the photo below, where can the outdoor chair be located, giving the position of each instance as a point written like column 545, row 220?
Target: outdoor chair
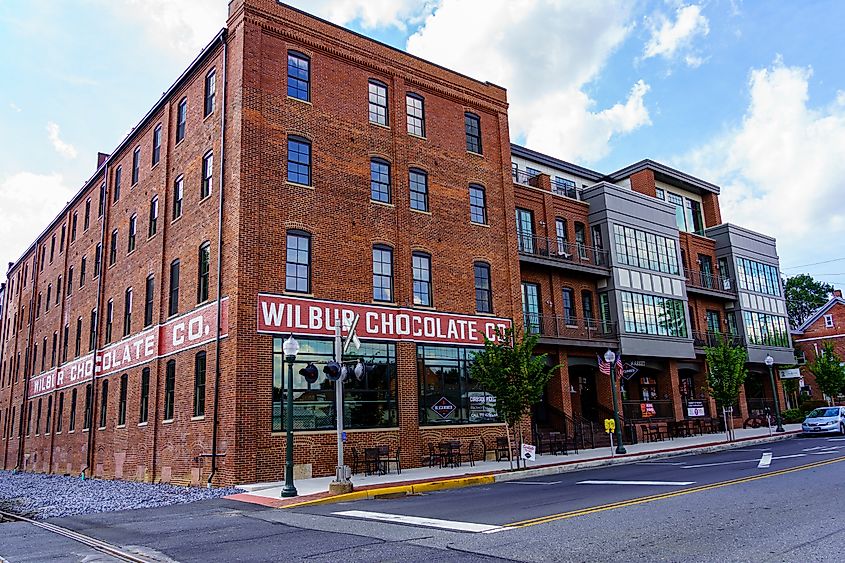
column 502, row 449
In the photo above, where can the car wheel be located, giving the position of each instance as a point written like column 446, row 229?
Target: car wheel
column 842, row 429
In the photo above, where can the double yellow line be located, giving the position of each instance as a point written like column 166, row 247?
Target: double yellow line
column 652, row 498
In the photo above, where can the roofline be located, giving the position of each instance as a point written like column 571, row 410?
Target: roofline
column 663, row 169
column 819, row 312
column 523, row 152
column 197, row 62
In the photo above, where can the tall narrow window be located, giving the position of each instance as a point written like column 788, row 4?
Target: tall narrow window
column 60, row 408
column 109, row 320
column 157, row 144
column 581, row 239
column 207, row 166
column 477, row 204
column 92, row 330
column 378, row 102
column 133, row 224
column 203, row 266
column 86, row 416
column 173, row 301
column 73, row 222
column 143, row 403
column 53, row 245
column 101, row 208
column 65, row 342
column 382, row 273
column 169, row 389
column 136, row 165
column 418, row 185
column 587, row 308
column 210, row 90
column 299, row 161
column 71, row 424
column 86, row 219
column 104, row 403
column 148, row 301
column 531, row 307
column 199, row 384
column 298, row 262
column 380, row 180
column 98, row 259
column 69, row 290
column 561, row 238
column 78, row 347
column 299, row 76
column 83, row 266
column 415, row 111
column 421, row 266
column 472, row 124
column 569, row 315
column 61, row 243
column 483, row 291
column 44, row 355
column 127, row 312
column 118, row 178
column 121, row 402
column 178, row 194
column 181, row 119
column 113, row 248
column 525, row 230
column 54, row 349
column 153, row 228
column 47, row 303
column 49, row 418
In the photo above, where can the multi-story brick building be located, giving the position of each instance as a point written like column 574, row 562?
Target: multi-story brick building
column 825, row 326
column 297, row 173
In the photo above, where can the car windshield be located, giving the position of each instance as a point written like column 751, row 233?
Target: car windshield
column 823, row 413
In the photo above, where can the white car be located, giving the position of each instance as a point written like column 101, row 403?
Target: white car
column 825, row 419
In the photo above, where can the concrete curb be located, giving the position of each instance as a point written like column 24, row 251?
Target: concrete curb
column 500, row 477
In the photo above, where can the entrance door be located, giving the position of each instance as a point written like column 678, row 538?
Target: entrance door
column 589, row 395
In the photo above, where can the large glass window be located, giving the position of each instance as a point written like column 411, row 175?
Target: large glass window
column 415, row 109
column 477, row 204
column 299, row 76
column 472, row 125
column 687, row 212
column 380, row 180
column 766, row 330
column 382, row 273
column 299, row 161
column 369, row 400
column 483, row 290
column 645, row 250
column 525, row 230
column 651, row 314
column 531, row 307
column 298, row 262
column 754, row 276
column 418, row 185
column 448, row 393
column 378, row 102
column 421, row 265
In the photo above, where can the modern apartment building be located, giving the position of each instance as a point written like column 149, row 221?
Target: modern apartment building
column 298, row 173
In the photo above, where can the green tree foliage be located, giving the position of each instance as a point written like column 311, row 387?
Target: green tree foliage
column 827, row 367
column 804, row 296
column 727, row 371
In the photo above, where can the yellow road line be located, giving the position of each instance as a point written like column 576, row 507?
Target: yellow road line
column 652, row 498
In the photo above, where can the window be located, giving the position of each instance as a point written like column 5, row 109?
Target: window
column 472, row 124
column 444, row 373
column 29, row 418
column 415, row 110
column 418, row 184
column 157, row 143
column 173, row 302
column 61, row 243
column 531, row 307
column 581, row 240
column 299, row 76
column 118, row 176
column 199, row 384
column 73, row 227
column 136, row 165
column 298, row 262
column 69, row 290
column 133, row 223
column 382, row 273
column 101, row 208
column 153, row 228
column 587, row 308
column 651, row 314
column 38, row 419
column 645, row 250
column 47, row 303
column 60, row 407
column 207, row 166
column 181, row 119
column 113, row 248
column 477, row 204
column 380, row 180
column 483, row 291
column 178, row 194
column 714, row 324
column 678, row 202
column 378, row 103
column 92, row 331
column 53, row 350
column 828, row 321
column 86, row 219
column 659, row 193
column 86, row 418
column 121, row 402
column 143, row 403
column 127, row 312
column 693, row 216
column 98, row 259
column 299, row 161
column 104, row 403
column 758, row 277
column 569, row 314
column 766, row 330
column 53, row 245
column 210, row 90
column 202, row 272
column 421, row 265
column 78, row 347
column 562, row 238
column 109, row 320
column 148, row 301
column 83, row 266
column 525, row 230
column 71, row 425
column 169, row 389
column 65, row 340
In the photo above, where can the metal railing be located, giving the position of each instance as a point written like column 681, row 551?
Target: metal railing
column 710, row 281
column 710, row 339
column 570, row 327
column 565, row 189
column 558, row 186
column 524, row 177
column 562, row 250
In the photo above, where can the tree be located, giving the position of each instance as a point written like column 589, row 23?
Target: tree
column 804, row 296
column 827, row 367
column 509, row 370
column 726, row 373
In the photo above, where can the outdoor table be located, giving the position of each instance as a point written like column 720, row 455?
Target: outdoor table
column 450, row 453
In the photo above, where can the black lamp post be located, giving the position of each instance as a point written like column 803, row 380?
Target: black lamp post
column 291, row 348
column 610, row 358
column 769, row 363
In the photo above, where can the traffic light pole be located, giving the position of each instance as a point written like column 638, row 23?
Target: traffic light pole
column 341, row 484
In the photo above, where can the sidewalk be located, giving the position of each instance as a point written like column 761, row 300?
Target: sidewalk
column 425, row 478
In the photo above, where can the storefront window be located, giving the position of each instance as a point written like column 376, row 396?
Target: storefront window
column 448, row 394
column 368, row 401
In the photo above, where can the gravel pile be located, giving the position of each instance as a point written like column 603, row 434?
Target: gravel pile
column 42, row 496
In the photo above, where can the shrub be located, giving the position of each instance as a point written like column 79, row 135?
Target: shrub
column 792, row 416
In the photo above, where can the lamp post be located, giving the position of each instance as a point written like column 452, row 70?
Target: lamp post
column 290, row 348
column 610, row 358
column 769, row 363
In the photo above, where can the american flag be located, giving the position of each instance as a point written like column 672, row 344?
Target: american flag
column 604, row 367
column 619, row 368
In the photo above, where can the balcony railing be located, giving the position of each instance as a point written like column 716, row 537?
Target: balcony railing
column 525, row 178
column 713, row 282
column 570, row 327
column 710, row 339
column 564, row 188
column 562, row 250
column 558, row 186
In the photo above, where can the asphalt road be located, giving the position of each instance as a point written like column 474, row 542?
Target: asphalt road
column 739, row 505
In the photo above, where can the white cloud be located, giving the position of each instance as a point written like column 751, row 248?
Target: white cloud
column 670, row 38
column 545, row 52
column 28, row 202
column 65, row 149
column 370, row 13
column 781, row 168
column 14, row 107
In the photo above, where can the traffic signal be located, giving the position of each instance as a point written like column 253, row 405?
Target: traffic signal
column 310, row 373
column 332, row 371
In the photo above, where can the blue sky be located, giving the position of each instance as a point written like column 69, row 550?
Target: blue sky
column 748, row 95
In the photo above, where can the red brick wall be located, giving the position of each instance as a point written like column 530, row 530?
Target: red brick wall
column 816, row 336
column 643, row 182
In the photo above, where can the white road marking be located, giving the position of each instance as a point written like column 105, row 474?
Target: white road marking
column 534, row 482
column 836, row 439
column 739, row 461
column 670, row 483
column 765, row 460
column 418, row 521
column 659, row 463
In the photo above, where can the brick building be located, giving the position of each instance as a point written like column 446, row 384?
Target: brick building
column 826, row 325
column 142, row 331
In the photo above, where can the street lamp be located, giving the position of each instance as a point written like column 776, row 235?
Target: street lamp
column 770, row 361
column 291, row 349
column 610, row 358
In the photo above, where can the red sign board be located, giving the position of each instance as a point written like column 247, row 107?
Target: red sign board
column 282, row 314
column 443, row 407
column 182, row 333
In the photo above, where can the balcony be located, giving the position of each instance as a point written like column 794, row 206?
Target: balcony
column 584, row 332
column 709, row 339
column 710, row 284
column 559, row 186
column 525, row 178
column 559, row 253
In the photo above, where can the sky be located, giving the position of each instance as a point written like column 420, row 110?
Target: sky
column 749, row 95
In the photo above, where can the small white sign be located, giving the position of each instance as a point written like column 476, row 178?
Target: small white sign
column 528, row 452
column 791, row 373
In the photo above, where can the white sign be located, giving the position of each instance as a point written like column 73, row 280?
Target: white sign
column 791, row 373
column 528, row 452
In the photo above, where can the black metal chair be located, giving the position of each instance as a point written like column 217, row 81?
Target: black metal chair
column 502, row 449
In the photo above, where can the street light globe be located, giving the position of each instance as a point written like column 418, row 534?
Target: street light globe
column 609, row 356
column 290, row 346
column 769, row 360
